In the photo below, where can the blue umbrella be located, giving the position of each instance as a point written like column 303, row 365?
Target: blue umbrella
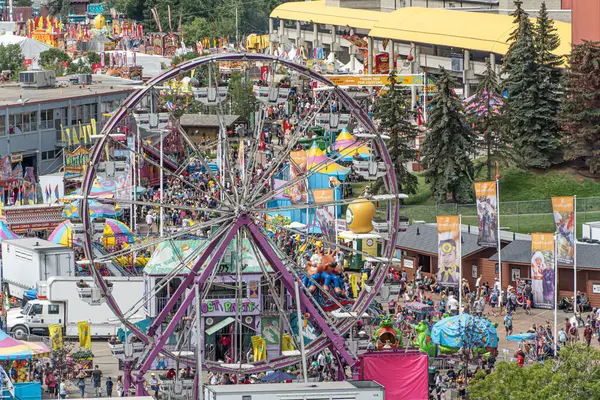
column 278, row 377
column 464, row 330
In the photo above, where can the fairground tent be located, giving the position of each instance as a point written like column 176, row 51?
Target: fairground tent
column 30, row 48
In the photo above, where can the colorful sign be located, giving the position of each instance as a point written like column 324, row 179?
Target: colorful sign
column 325, row 214
column 16, row 158
column 222, row 307
column 542, row 269
column 563, row 209
column 487, row 213
column 76, row 161
column 298, row 192
column 449, row 250
column 375, row 80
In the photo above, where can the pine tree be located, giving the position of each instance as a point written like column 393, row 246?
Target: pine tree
column 446, row 151
column 528, row 117
column 548, row 70
column 483, row 112
column 393, row 112
column 580, row 109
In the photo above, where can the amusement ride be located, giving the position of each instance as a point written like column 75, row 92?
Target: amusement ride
column 257, row 193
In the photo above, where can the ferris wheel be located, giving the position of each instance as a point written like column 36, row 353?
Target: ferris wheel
column 251, row 209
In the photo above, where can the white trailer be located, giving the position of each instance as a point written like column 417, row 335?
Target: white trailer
column 27, row 261
column 346, row 390
column 60, row 302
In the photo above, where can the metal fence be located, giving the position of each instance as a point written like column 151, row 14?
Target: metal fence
column 516, row 216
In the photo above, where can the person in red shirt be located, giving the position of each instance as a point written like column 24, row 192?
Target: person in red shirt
column 171, row 374
column 587, row 334
column 520, row 358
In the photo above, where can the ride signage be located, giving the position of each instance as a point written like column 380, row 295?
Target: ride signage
column 375, row 80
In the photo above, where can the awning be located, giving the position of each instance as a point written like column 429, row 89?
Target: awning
column 227, row 321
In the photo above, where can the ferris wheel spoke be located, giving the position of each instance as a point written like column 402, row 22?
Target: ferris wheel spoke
column 161, row 205
column 154, row 242
column 276, row 164
column 288, row 280
column 300, row 178
column 200, row 158
column 177, row 178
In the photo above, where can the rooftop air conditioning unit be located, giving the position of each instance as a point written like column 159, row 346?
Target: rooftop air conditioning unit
column 37, row 79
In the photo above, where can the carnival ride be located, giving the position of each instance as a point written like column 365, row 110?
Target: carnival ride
column 241, row 195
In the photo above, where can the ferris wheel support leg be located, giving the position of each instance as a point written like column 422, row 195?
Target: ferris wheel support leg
column 189, row 279
column 288, row 280
column 164, row 336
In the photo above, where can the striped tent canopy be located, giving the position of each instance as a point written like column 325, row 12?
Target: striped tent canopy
column 13, row 349
column 6, row 233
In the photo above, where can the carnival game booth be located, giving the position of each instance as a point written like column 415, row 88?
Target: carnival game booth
column 17, row 356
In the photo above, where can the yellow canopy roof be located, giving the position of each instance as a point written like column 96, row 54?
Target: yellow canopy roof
column 462, row 29
column 318, row 12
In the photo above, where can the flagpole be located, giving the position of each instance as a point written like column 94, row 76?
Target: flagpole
column 498, row 245
column 556, row 293
column 460, row 270
column 574, row 254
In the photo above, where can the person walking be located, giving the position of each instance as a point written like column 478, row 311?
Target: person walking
column 154, row 384
column 120, row 389
column 81, row 383
column 508, row 323
column 109, row 386
column 62, row 389
column 96, row 380
column 587, row 334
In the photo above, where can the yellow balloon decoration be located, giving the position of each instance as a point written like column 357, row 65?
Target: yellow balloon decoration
column 359, row 216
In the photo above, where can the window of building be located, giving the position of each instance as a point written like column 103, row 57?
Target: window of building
column 47, row 119
column 26, row 122
column 48, row 155
column 2, row 124
column 53, row 309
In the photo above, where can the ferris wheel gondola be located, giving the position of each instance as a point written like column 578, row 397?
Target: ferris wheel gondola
column 233, row 248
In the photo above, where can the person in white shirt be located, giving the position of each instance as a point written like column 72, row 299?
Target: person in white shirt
column 452, row 305
column 149, row 222
column 478, row 282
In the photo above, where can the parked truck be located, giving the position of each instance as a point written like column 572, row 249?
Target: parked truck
column 27, row 261
column 67, row 300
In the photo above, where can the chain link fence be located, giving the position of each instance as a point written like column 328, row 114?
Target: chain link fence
column 516, row 216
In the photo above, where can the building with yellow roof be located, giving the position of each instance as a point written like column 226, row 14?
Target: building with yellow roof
column 421, row 39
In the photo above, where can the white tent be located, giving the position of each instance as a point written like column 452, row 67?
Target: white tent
column 358, row 67
column 30, row 48
column 150, row 63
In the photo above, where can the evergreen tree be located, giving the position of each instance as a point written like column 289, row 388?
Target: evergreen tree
column 580, row 110
column 446, row 151
column 393, row 112
column 483, row 113
column 549, row 74
column 529, row 118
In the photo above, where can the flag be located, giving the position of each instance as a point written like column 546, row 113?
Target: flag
column 68, row 134
column 259, row 345
column 287, row 344
column 93, row 127
column 563, row 209
column 85, row 336
column 56, row 193
column 170, row 106
column 487, row 213
column 62, row 134
column 449, row 251
column 242, row 161
column 542, row 269
column 55, row 332
column 74, row 136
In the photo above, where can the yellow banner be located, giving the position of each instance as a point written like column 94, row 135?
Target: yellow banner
column 287, row 344
column 542, row 269
column 564, row 217
column 259, row 345
column 55, row 332
column 354, row 285
column 449, row 251
column 85, row 335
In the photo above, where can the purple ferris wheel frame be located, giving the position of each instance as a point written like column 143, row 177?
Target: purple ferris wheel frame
column 329, row 337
